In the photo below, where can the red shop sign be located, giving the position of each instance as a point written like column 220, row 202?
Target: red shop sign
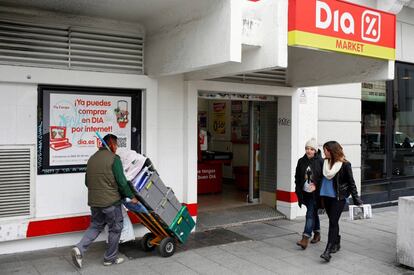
column 341, row 26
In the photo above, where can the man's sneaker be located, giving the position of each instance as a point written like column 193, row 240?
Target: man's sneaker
column 76, row 257
column 116, row 261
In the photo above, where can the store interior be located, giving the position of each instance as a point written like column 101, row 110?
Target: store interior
column 223, row 153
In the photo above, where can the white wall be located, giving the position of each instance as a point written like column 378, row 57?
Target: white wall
column 62, row 195
column 193, row 42
column 339, row 118
column 405, row 35
column 273, row 50
column 61, row 19
column 170, row 126
column 286, row 136
column 18, row 114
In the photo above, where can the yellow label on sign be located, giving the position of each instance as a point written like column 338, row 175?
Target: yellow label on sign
column 300, row 38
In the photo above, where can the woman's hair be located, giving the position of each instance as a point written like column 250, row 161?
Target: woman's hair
column 336, row 151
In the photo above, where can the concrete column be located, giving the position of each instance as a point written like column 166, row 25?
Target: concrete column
column 405, row 240
column 287, row 123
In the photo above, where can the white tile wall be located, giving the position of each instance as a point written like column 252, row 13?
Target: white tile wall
column 339, row 109
column 61, row 195
column 171, row 133
column 407, row 34
column 340, row 119
column 398, row 41
column 18, row 109
column 353, row 154
column 284, row 145
column 344, row 90
column 343, row 132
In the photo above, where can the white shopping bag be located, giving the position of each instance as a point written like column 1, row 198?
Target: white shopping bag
column 127, row 233
column 360, row 212
column 132, row 162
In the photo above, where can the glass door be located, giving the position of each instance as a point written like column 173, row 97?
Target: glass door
column 254, row 151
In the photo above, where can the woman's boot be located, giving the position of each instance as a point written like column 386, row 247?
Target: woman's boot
column 304, row 242
column 337, row 246
column 326, row 255
column 316, row 237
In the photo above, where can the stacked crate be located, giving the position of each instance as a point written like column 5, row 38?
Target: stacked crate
column 161, row 201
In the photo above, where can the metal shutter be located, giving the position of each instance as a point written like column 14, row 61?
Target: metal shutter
column 15, row 181
column 70, row 47
column 268, row 146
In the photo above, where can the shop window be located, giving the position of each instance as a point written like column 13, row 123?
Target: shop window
column 373, row 130
column 403, row 122
column 388, row 137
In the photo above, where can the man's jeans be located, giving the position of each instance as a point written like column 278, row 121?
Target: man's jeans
column 312, row 218
column 111, row 216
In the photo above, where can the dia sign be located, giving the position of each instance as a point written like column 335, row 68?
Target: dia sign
column 343, row 27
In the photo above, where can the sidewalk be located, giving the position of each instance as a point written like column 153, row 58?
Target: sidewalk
column 369, row 247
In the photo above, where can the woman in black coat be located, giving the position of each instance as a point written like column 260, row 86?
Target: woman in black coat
column 308, row 178
column 337, row 184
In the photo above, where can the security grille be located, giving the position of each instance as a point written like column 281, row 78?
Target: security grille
column 15, row 175
column 69, row 47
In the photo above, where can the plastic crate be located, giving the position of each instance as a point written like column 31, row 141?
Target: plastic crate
column 142, row 178
column 159, row 199
column 168, row 208
column 182, row 225
column 152, row 192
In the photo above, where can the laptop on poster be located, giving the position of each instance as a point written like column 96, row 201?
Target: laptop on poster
column 58, row 139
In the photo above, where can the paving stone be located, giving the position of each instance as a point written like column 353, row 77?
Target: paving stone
column 172, row 268
column 368, row 247
column 201, row 264
column 18, row 269
column 50, row 265
column 237, row 264
column 260, row 231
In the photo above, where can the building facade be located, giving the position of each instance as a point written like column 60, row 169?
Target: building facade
column 68, row 71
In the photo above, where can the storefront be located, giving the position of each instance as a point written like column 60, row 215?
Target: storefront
column 237, row 159
column 387, row 137
column 234, row 82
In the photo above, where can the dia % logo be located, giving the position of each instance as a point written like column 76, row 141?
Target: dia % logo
column 371, row 26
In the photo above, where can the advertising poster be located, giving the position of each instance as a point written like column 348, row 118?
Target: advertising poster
column 75, row 119
column 239, row 121
column 219, row 118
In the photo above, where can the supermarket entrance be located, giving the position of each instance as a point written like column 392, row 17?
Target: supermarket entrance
column 237, row 152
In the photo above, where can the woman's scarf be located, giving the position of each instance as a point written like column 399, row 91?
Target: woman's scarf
column 330, row 173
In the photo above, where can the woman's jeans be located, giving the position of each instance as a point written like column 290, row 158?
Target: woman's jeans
column 312, row 218
column 334, row 208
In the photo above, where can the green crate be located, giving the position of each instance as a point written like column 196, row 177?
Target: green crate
column 182, row 225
